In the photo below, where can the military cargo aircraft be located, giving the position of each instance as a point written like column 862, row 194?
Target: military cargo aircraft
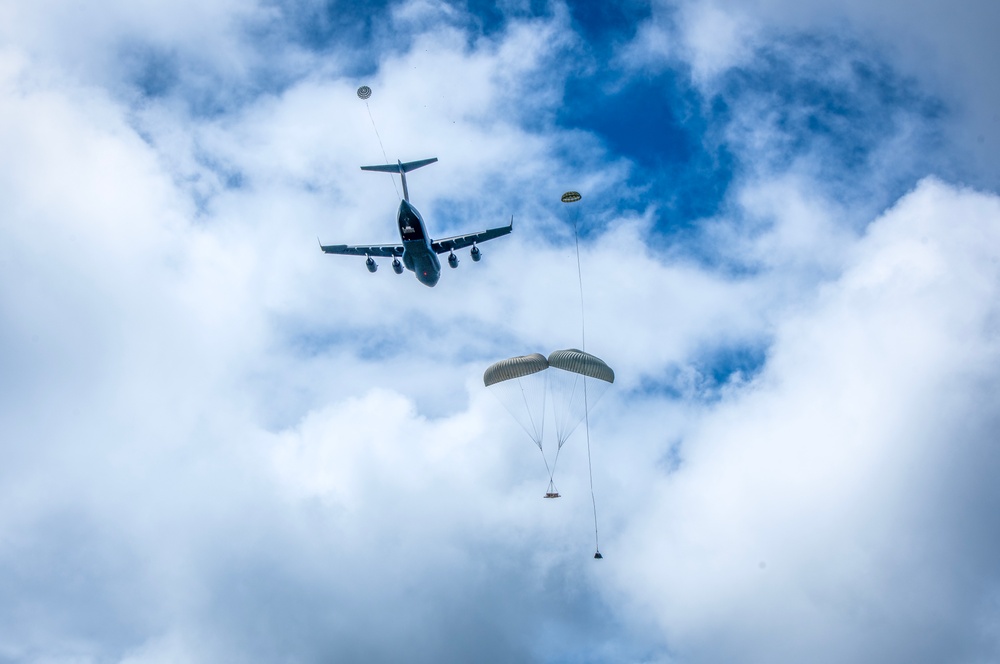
column 417, row 250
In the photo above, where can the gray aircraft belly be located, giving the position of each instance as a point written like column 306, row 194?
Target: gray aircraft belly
column 418, row 257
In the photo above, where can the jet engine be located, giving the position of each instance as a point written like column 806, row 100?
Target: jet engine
column 452, row 259
column 476, row 254
column 397, row 267
column 371, row 264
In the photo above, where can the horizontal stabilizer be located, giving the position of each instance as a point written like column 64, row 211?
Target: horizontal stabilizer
column 400, row 167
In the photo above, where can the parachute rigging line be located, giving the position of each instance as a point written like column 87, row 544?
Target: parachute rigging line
column 364, row 92
column 573, row 197
column 551, row 492
column 540, row 429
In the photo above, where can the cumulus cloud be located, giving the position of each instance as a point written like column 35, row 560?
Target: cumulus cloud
column 149, row 432
column 220, row 444
column 847, row 489
column 948, row 49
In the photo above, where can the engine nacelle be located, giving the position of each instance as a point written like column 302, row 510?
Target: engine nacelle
column 371, row 264
column 397, row 267
column 452, row 259
column 476, row 254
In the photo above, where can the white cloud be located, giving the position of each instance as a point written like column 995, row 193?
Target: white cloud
column 715, row 38
column 838, row 492
column 948, row 48
column 220, row 444
column 153, row 310
column 89, row 41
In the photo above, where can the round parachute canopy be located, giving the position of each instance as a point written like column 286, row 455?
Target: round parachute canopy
column 519, row 384
column 583, row 363
column 571, row 197
column 364, row 92
column 577, row 381
column 515, row 367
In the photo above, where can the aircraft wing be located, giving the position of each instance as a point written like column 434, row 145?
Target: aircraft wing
column 387, row 250
column 460, row 241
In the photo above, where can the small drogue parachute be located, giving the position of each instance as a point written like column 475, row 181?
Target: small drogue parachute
column 572, row 380
column 364, row 92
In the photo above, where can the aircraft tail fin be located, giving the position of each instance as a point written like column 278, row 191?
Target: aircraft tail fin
column 400, row 167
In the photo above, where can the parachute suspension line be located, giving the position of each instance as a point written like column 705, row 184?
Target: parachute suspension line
column 579, row 276
column 384, row 156
column 590, row 470
column 551, row 492
column 573, row 197
column 379, row 137
column 364, row 92
column 551, row 471
column 531, row 420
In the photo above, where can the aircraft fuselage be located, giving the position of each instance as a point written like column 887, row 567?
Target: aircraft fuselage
column 418, row 251
column 418, row 257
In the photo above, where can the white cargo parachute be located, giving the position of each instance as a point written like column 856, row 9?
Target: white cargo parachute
column 572, row 394
column 519, row 384
column 572, row 380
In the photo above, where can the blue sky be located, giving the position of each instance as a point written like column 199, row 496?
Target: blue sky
column 222, row 445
